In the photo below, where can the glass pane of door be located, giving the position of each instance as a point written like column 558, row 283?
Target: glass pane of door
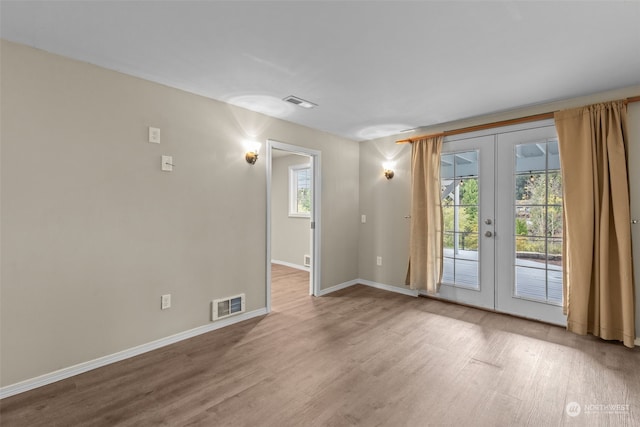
column 529, row 224
column 467, row 183
column 538, row 222
column 460, row 205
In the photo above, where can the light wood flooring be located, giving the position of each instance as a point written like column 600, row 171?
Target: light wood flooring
column 360, row 356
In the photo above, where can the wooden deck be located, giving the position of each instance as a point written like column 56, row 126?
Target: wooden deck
column 532, row 280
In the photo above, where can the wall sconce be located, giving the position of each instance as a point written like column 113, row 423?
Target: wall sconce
column 388, row 169
column 253, row 149
column 251, row 157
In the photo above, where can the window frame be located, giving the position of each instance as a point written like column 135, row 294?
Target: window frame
column 293, row 190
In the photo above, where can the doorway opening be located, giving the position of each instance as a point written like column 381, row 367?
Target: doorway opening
column 293, row 212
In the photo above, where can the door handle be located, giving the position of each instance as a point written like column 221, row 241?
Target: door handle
column 488, row 234
column 488, row 222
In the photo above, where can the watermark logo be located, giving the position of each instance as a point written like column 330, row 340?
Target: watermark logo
column 573, row 409
column 610, row 408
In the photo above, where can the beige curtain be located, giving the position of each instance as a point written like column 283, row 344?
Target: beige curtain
column 425, row 248
column 599, row 289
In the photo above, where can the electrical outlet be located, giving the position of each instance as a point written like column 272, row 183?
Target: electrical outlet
column 167, row 163
column 165, row 301
column 363, row 219
column 379, row 260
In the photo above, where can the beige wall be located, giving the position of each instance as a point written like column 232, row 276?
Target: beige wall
column 93, row 232
column 290, row 236
column 387, row 202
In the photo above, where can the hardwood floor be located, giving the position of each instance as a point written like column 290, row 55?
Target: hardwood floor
column 360, row 356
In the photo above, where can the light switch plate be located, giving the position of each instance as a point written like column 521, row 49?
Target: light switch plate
column 165, row 301
column 154, row 135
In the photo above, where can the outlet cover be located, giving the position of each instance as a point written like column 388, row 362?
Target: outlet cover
column 167, row 163
column 165, row 302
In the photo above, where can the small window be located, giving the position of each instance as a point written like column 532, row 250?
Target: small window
column 300, row 190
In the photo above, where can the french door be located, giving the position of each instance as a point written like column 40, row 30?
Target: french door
column 502, row 214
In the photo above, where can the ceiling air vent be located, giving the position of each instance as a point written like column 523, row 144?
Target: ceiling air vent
column 299, row 102
column 225, row 307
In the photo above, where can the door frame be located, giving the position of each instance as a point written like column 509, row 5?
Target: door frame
column 496, row 132
column 315, row 217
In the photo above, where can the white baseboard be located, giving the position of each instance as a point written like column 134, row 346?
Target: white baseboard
column 290, row 264
column 390, row 288
column 338, row 287
column 80, row 368
column 637, row 341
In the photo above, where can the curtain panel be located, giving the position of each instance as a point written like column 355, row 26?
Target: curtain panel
column 598, row 270
column 425, row 247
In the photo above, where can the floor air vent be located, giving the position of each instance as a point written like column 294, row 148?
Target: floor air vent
column 225, row 307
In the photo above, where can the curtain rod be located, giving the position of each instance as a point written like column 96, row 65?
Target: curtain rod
column 526, row 119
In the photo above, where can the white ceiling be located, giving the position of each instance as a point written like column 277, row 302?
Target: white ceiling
column 373, row 67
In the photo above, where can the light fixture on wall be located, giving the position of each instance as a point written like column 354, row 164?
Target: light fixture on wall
column 253, row 149
column 388, row 169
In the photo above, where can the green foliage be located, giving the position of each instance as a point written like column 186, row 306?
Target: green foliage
column 527, row 245
column 521, row 227
column 540, row 197
column 521, row 187
column 545, row 189
column 467, row 216
column 469, row 196
column 304, row 200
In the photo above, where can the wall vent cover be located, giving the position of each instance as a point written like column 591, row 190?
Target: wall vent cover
column 299, row 102
column 307, row 261
column 225, row 307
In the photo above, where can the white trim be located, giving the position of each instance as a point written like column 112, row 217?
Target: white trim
column 291, row 265
column 293, row 189
column 637, row 341
column 338, row 287
column 384, row 287
column 269, row 169
column 80, row 368
column 390, row 288
column 299, row 215
column 315, row 278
